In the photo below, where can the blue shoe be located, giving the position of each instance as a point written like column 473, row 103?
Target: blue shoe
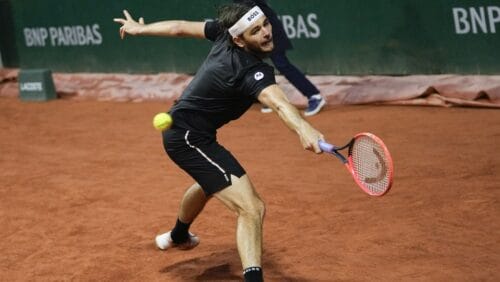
column 316, row 103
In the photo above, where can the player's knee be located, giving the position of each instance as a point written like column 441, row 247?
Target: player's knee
column 261, row 209
column 255, row 209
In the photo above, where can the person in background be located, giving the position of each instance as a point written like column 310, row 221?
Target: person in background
column 297, row 78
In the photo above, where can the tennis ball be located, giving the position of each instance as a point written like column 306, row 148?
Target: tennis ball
column 162, row 121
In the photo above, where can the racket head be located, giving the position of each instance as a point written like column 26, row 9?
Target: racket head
column 370, row 163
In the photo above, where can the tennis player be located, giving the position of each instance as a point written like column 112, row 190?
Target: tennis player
column 230, row 80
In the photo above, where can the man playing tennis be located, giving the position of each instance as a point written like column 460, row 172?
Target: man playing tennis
column 230, row 80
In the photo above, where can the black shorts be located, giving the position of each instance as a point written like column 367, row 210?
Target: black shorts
column 205, row 160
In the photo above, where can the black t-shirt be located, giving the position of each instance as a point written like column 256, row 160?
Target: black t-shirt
column 224, row 87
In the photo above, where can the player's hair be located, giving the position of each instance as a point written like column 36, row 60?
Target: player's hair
column 229, row 14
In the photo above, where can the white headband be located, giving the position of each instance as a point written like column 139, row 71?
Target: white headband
column 246, row 21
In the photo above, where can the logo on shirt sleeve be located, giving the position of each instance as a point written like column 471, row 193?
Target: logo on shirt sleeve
column 258, row 75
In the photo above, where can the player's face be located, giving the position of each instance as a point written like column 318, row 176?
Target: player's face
column 259, row 38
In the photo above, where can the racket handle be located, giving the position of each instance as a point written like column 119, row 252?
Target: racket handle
column 325, row 147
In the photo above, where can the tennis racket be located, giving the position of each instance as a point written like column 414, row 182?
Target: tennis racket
column 368, row 160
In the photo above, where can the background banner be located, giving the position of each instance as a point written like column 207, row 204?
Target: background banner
column 342, row 37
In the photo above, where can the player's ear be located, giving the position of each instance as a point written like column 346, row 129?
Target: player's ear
column 238, row 41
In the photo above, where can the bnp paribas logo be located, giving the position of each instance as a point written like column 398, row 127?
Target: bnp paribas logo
column 475, row 20
column 64, row 36
column 301, row 26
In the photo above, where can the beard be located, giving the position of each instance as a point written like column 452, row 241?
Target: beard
column 258, row 51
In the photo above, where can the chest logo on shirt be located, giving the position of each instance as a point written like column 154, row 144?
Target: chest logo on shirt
column 258, row 75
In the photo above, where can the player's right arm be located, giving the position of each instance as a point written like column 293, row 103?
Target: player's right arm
column 276, row 99
column 173, row 28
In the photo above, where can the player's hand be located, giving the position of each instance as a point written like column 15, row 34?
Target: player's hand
column 129, row 25
column 309, row 137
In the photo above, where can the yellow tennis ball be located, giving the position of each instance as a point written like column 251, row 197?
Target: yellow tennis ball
column 162, row 121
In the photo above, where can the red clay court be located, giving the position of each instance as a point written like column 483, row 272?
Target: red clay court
column 85, row 187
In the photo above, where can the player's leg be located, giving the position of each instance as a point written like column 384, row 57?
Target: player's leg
column 194, row 199
column 242, row 199
column 191, row 205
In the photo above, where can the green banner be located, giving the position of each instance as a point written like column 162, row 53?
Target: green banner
column 342, row 37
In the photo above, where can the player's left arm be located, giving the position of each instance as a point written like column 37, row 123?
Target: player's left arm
column 171, row 28
column 275, row 98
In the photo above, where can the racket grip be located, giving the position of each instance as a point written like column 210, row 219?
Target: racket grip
column 325, row 147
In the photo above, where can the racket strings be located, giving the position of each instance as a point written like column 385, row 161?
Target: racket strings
column 370, row 165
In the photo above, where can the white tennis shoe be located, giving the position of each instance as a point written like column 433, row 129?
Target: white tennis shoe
column 164, row 242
